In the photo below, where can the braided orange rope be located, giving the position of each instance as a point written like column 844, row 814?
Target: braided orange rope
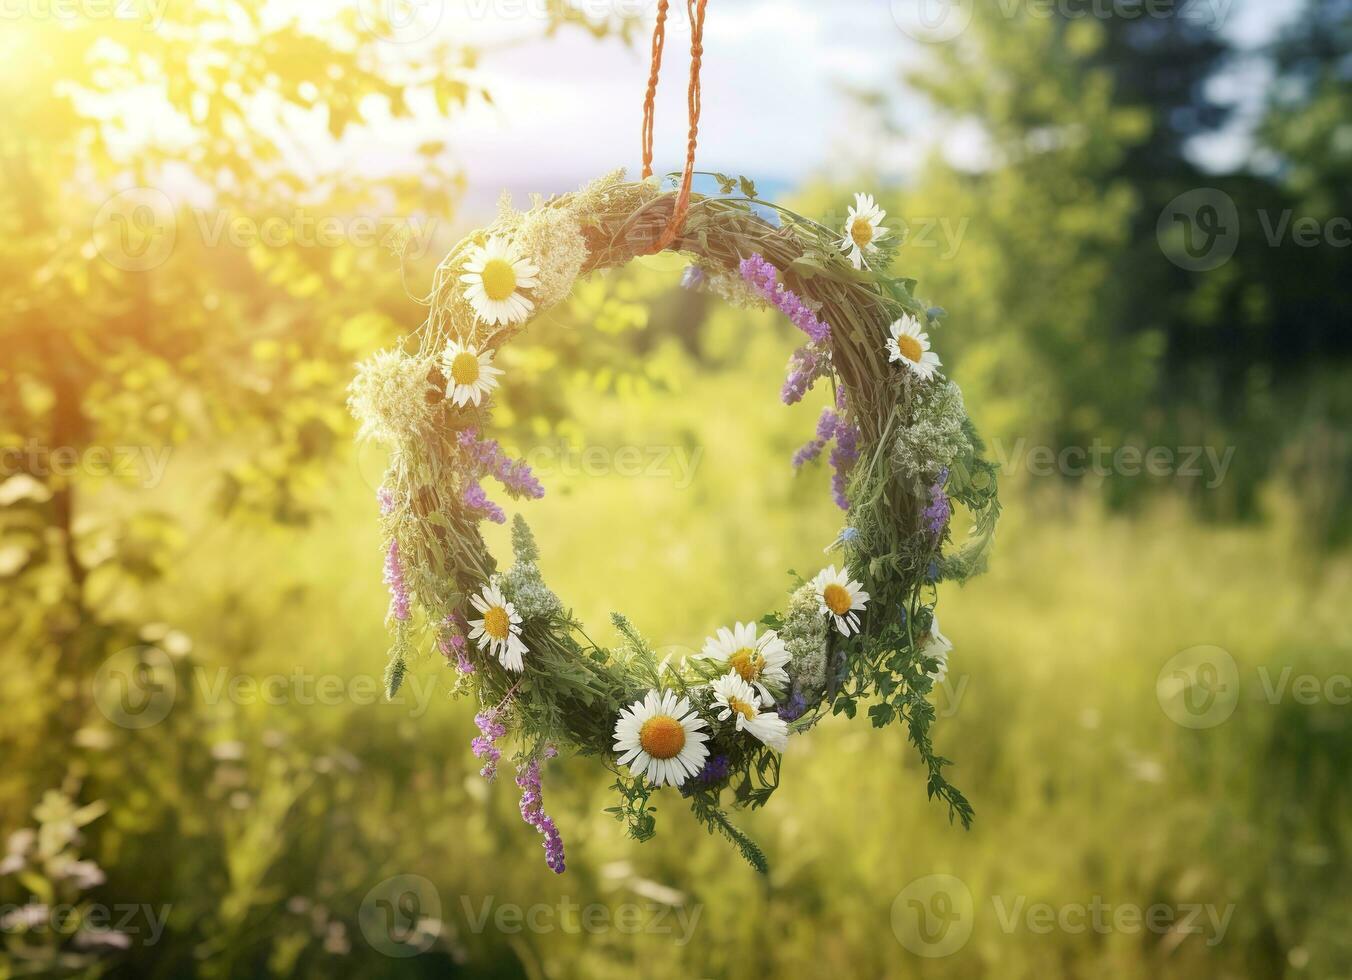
column 659, row 42
column 695, row 9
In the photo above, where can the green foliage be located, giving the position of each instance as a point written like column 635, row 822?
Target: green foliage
column 717, row 822
column 634, row 811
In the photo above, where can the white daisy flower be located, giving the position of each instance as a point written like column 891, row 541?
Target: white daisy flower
column 840, row 598
column 495, row 274
column 470, row 372
column 757, row 660
column 910, row 345
column 739, row 700
column 938, row 646
column 863, row 229
column 660, row 737
column 499, row 631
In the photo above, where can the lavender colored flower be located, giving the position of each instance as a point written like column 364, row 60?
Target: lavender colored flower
column 452, row 642
column 533, row 812
column 760, row 274
column 476, row 500
column 394, row 578
column 715, row 770
column 487, row 458
column 483, row 747
column 843, row 458
column 827, row 423
column 807, row 453
column 934, row 517
column 386, row 498
column 795, row 708
column 692, row 278
column 762, row 277
column 831, row 425
column 807, row 364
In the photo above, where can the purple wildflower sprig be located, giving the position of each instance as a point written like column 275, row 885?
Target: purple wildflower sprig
column 832, row 425
column 806, row 365
column 400, row 600
column 476, row 501
column 533, row 810
column 453, row 642
column 826, row 431
column 794, row 709
column 487, row 458
column 484, row 745
column 934, row 518
column 761, row 276
column 843, row 458
column 715, row 770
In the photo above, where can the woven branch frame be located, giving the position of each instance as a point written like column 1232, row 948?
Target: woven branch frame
column 571, row 688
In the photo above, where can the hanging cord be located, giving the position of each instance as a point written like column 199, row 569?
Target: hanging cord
column 695, row 9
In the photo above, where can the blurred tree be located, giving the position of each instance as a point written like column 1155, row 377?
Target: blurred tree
column 1023, row 248
column 187, row 259
column 1308, row 126
column 1075, row 311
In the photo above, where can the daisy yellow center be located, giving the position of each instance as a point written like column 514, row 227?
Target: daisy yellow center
column 861, row 230
column 662, row 737
column 465, row 368
column 499, row 279
column 910, row 348
column 497, row 624
column 837, row 599
column 743, row 708
column 747, row 662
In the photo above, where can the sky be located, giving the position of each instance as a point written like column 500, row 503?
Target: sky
column 775, row 78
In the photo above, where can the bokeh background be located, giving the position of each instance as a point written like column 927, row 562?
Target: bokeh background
column 1137, row 218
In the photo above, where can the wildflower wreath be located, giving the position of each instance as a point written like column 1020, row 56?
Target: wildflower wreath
column 714, row 725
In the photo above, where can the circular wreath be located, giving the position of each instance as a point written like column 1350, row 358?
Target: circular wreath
column 712, row 725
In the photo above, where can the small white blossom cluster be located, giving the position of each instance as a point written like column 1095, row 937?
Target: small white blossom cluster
column 389, row 396
column 553, row 237
column 526, row 589
column 935, row 438
column 804, row 634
